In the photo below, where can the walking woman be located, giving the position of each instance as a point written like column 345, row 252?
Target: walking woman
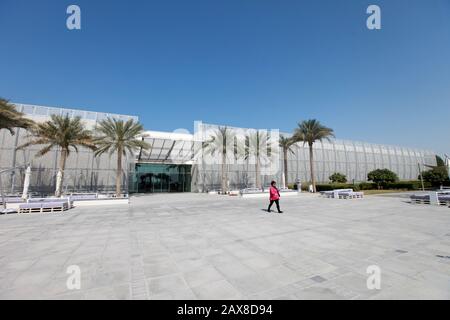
column 274, row 197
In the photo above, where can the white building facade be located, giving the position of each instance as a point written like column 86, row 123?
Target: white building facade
column 179, row 162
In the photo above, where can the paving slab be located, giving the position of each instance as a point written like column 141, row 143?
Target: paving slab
column 197, row 246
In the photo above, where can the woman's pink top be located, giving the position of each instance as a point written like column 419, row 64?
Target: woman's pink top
column 274, row 194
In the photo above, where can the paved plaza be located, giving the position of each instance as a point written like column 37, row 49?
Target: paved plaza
column 196, row 246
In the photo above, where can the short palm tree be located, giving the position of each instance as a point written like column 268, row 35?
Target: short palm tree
column 221, row 142
column 10, row 118
column 120, row 137
column 257, row 143
column 65, row 133
column 286, row 146
column 309, row 132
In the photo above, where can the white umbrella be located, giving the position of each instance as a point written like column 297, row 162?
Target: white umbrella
column 26, row 183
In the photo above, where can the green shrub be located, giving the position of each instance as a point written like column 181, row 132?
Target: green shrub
column 367, row 186
column 382, row 176
column 334, row 186
column 400, row 185
column 324, row 187
column 406, row 185
column 338, row 178
column 436, row 176
column 305, row 186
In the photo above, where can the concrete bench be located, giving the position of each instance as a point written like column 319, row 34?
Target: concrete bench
column 444, row 200
column 69, row 201
column 420, row 199
column 289, row 193
column 251, row 191
column 43, row 207
column 83, row 197
column 335, row 193
column 351, row 195
column 254, row 193
column 434, row 198
column 11, row 200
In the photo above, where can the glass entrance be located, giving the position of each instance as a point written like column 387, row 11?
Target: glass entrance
column 157, row 178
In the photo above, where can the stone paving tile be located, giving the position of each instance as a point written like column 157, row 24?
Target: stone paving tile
column 262, row 261
column 319, row 293
column 160, row 269
column 182, row 294
column 281, row 275
column 166, row 284
column 279, row 292
column 202, row 276
column 217, row 290
column 193, row 246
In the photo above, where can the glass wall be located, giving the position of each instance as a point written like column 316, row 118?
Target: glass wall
column 157, row 178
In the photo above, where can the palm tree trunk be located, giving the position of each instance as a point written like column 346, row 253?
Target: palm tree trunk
column 224, row 176
column 60, row 176
column 119, row 173
column 257, row 172
column 311, row 164
column 285, row 155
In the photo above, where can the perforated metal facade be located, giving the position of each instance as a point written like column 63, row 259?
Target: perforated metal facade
column 352, row 158
column 84, row 172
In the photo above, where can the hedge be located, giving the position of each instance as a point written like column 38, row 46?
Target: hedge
column 333, row 186
column 402, row 185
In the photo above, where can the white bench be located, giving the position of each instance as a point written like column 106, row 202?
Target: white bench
column 342, row 194
column 334, row 193
column 351, row 195
column 43, row 207
column 438, row 198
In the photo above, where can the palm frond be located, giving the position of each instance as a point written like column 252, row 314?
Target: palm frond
column 60, row 131
column 113, row 135
column 10, row 118
column 310, row 131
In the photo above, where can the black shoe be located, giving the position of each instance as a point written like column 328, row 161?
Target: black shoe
column 269, row 211
column 280, row 211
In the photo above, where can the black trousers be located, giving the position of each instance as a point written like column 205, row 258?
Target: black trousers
column 277, row 203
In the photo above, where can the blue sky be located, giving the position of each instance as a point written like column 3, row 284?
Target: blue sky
column 250, row 63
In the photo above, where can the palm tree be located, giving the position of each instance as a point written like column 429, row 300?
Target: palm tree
column 221, row 142
column 257, row 142
column 118, row 136
column 10, row 118
column 286, row 147
column 309, row 132
column 65, row 133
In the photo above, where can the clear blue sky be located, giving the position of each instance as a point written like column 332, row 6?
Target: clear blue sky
column 250, row 63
